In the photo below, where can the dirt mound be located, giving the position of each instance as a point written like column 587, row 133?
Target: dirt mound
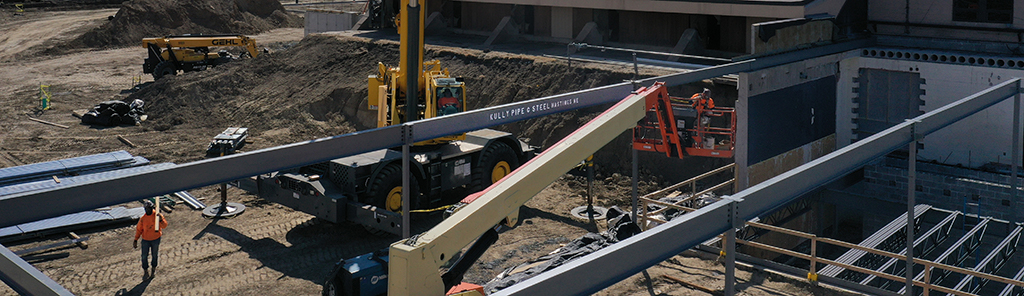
column 138, row 19
column 318, row 88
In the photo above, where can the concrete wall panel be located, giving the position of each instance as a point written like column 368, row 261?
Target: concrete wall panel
column 561, row 22
column 542, row 21
column 317, row 21
column 973, row 141
column 751, row 166
column 483, row 16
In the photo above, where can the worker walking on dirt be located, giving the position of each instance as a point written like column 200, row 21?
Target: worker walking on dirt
column 150, row 230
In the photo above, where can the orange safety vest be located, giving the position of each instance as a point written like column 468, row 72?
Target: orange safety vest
column 146, row 230
column 706, row 103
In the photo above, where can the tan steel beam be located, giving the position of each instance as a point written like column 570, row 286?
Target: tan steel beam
column 413, row 267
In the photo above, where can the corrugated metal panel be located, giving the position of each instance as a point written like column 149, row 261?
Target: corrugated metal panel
column 122, row 212
column 74, row 219
column 68, row 181
column 65, row 166
column 8, row 231
column 66, row 220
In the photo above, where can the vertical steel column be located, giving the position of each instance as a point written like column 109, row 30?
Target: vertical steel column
column 411, row 109
column 405, row 184
column 730, row 247
column 1015, row 162
column 589, row 165
column 911, row 188
column 636, row 169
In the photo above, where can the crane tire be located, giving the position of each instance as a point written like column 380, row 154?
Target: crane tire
column 387, row 184
column 163, row 69
column 496, row 162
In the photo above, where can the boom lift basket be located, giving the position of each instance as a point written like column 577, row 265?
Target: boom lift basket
column 673, row 126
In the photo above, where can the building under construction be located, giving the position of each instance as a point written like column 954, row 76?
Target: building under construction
column 894, row 125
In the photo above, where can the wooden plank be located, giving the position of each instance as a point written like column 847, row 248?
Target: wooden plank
column 896, row 278
column 691, row 180
column 774, row 249
column 694, row 286
column 780, row 229
column 125, row 141
column 47, row 122
column 81, row 243
column 79, row 112
column 691, row 197
column 50, row 246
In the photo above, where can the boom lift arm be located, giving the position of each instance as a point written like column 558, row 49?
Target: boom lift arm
column 203, row 41
column 414, row 262
column 170, row 54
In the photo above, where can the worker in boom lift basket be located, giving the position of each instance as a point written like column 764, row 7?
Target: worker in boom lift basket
column 150, row 233
column 703, row 102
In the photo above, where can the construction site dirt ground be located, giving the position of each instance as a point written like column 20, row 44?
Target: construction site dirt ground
column 271, row 249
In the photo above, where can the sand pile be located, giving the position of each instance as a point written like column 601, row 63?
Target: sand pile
column 138, row 19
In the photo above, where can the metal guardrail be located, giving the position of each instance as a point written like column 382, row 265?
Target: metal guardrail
column 812, row 256
column 651, row 198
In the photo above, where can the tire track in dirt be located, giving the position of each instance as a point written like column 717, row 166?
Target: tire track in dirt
column 111, row 271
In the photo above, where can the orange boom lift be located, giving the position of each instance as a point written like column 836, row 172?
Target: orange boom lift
column 684, row 126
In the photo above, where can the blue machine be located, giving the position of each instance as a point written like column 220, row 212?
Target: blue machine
column 364, row 275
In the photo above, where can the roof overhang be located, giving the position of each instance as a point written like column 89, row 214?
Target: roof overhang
column 746, row 8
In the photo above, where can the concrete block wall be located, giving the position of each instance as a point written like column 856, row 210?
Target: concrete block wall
column 976, row 140
column 319, row 20
column 943, row 186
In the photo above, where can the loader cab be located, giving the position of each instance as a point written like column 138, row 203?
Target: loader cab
column 448, row 96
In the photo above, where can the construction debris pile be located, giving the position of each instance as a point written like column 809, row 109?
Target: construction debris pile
column 138, row 19
column 621, row 227
column 114, row 113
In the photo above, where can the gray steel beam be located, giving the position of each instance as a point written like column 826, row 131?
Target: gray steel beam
column 227, row 168
column 24, row 278
column 619, row 261
column 911, row 184
column 82, row 197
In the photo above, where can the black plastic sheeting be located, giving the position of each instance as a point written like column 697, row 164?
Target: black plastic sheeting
column 623, row 228
column 114, row 113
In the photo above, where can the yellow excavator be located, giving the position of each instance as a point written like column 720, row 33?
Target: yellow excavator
column 436, row 92
column 170, row 54
column 368, row 188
